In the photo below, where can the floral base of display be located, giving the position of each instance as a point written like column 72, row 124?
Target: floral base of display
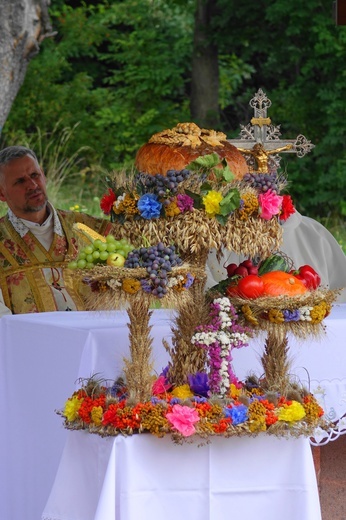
column 247, row 410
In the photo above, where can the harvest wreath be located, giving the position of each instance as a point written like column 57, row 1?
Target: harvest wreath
column 211, row 402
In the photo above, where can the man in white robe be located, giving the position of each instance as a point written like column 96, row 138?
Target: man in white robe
column 305, row 241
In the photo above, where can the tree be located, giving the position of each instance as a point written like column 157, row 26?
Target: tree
column 119, row 69
column 23, row 26
column 205, row 68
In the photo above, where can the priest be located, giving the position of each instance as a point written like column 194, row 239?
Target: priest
column 36, row 240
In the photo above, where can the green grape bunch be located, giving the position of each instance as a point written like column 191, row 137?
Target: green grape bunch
column 109, row 252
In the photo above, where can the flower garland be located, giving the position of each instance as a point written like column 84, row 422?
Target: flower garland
column 201, row 187
column 245, row 410
column 310, row 314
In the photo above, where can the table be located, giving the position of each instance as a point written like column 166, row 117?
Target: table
column 43, row 355
column 145, row 478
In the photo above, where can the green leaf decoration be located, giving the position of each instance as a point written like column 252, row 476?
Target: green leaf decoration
column 197, row 199
column 204, row 162
column 205, row 187
column 230, row 202
column 227, row 173
column 222, row 219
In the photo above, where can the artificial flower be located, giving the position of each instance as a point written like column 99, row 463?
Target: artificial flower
column 319, row 312
column 72, row 407
column 189, row 281
column 149, row 206
column 291, row 315
column 182, row 391
column 131, row 285
column 270, row 204
column 129, row 204
column 107, row 202
column 199, row 383
column 172, row 209
column 96, row 415
column 248, row 205
column 183, row 419
column 161, row 385
column 184, row 202
column 290, row 413
column 238, row 414
column 211, row 203
column 287, row 207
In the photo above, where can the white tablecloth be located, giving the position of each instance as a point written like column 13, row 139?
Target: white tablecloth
column 42, row 356
column 145, row 478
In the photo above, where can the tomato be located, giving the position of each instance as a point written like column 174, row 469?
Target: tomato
column 251, row 286
column 232, row 291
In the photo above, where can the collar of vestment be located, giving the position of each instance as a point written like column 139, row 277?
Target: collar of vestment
column 23, row 226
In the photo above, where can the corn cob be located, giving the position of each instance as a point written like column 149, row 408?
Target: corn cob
column 86, row 234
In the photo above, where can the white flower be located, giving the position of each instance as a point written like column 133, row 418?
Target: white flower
column 119, row 200
column 305, row 313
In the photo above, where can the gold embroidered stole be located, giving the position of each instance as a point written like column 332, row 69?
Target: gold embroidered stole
column 22, row 261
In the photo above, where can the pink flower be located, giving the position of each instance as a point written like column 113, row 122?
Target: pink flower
column 160, row 386
column 183, row 419
column 270, row 204
column 184, row 202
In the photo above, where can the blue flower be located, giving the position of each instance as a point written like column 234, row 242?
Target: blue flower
column 198, row 399
column 199, row 383
column 238, row 414
column 149, row 207
column 291, row 315
column 189, row 280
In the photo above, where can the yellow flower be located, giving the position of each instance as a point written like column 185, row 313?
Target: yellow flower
column 72, row 407
column 182, row 392
column 248, row 314
column 319, row 312
column 129, row 204
column 234, row 391
column 211, row 203
column 250, row 206
column 292, row 412
column 131, row 285
column 96, row 415
column 172, row 209
column 275, row 316
column 257, row 417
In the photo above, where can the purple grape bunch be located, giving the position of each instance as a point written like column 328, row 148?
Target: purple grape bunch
column 158, row 261
column 262, row 181
column 164, row 186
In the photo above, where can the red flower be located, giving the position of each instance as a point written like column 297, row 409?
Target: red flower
column 107, row 201
column 287, row 208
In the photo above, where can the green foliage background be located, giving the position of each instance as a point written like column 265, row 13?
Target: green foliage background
column 121, row 71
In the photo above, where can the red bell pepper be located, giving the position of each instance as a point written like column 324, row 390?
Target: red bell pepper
column 310, row 278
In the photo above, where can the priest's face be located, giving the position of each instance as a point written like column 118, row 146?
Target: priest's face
column 23, row 188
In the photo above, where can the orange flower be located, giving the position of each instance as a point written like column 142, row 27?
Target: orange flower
column 130, row 285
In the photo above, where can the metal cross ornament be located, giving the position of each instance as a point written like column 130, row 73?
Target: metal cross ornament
column 260, row 141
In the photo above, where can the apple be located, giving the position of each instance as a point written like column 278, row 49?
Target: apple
column 115, row 259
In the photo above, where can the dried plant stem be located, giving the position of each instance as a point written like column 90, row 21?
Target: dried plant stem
column 138, row 369
column 185, row 357
column 275, row 361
